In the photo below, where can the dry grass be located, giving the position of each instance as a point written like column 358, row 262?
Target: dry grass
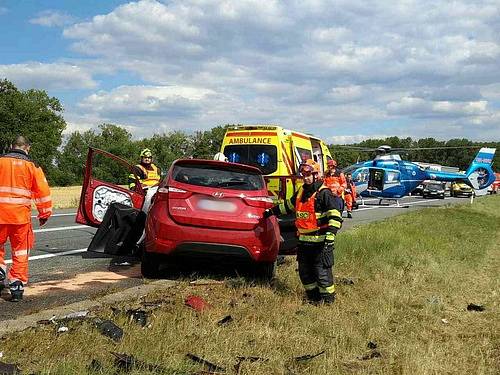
column 66, row 197
column 410, row 272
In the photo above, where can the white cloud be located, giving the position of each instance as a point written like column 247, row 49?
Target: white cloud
column 48, row 76
column 51, row 18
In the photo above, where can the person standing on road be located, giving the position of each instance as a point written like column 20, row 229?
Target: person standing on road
column 21, row 181
column 317, row 218
column 349, row 194
column 149, row 174
column 335, row 180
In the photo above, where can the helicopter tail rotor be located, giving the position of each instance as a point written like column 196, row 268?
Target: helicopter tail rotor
column 480, row 175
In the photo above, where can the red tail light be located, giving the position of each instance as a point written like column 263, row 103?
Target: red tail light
column 263, row 202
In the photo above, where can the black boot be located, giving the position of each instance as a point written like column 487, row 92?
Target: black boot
column 313, row 295
column 327, row 298
column 349, row 215
column 2, row 279
column 16, row 291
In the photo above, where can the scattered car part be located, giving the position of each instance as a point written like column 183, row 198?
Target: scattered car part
column 127, row 362
column 308, row 357
column 372, row 345
column 62, row 329
column 344, row 280
column 209, row 365
column 109, row 329
column 196, row 303
column 138, row 316
column 224, row 321
column 474, row 307
column 371, row 355
column 9, row 369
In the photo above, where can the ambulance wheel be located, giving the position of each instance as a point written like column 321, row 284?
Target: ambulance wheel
column 150, row 265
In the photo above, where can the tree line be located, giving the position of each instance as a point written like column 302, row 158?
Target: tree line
column 34, row 114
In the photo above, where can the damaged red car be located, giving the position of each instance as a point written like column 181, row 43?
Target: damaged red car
column 202, row 209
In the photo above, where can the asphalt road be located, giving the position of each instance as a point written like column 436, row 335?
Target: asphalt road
column 62, row 272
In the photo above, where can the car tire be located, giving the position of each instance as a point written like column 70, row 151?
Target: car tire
column 266, row 272
column 150, row 265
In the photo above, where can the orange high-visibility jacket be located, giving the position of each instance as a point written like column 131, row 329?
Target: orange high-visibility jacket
column 22, row 181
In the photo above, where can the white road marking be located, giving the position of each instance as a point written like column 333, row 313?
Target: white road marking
column 56, row 215
column 60, row 228
column 69, row 252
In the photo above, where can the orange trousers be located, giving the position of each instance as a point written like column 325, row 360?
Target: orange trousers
column 21, row 242
column 348, row 202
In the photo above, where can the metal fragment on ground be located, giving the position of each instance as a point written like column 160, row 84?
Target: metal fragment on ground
column 127, row 362
column 109, row 329
column 210, row 366
column 474, row 307
column 196, row 303
column 226, row 320
column 372, row 345
column 308, row 357
column 138, row 316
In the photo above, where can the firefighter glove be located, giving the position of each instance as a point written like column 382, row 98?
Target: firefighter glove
column 327, row 254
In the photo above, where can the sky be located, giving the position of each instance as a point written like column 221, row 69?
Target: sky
column 343, row 70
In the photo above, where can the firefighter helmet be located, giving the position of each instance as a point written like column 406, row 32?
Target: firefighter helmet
column 309, row 166
column 146, row 153
column 332, row 163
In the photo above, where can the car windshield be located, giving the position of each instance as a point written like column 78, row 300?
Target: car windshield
column 263, row 157
column 435, row 187
column 217, row 177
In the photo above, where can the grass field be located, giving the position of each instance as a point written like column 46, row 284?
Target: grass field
column 65, row 197
column 414, row 276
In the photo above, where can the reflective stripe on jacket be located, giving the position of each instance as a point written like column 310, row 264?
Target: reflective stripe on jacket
column 22, row 181
column 152, row 176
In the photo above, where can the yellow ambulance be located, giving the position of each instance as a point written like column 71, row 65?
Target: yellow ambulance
column 278, row 152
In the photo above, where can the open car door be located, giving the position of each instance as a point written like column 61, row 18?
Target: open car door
column 113, row 205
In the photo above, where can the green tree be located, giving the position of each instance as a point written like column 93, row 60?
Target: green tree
column 36, row 115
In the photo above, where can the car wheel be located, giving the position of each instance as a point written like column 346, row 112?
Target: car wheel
column 150, row 265
column 266, row 271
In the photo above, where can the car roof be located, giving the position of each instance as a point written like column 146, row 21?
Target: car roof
column 219, row 164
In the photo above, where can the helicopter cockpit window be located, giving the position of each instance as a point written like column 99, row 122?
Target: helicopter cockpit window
column 391, row 177
column 361, row 175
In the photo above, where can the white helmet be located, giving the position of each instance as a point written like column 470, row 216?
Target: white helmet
column 220, row 157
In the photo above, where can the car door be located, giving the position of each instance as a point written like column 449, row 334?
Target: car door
column 97, row 195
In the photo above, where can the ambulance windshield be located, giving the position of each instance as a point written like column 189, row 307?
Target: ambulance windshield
column 263, row 157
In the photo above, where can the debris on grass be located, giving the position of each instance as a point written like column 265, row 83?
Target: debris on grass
column 75, row 316
column 138, row 316
column 201, row 282
column 372, row 345
column 196, row 303
column 128, row 362
column 241, row 359
column 95, row 366
column 226, row 320
column 62, row 329
column 308, row 357
column 371, row 355
column 344, row 281
column 474, row 307
column 445, row 321
column 209, row 365
column 109, row 329
column 9, row 368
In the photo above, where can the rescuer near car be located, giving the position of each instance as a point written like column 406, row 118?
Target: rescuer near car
column 334, row 179
column 21, row 181
column 149, row 174
column 317, row 218
column 349, row 194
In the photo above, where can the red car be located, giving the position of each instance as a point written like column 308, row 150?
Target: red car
column 202, row 208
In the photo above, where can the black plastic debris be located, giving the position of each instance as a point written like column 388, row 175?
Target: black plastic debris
column 344, row 281
column 225, row 321
column 209, row 365
column 127, row 362
column 95, row 366
column 9, row 368
column 371, row 355
column 241, row 359
column 308, row 357
column 474, row 307
column 138, row 316
column 109, row 329
column 372, row 345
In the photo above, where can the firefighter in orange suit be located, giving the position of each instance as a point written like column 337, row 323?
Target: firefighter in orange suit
column 335, row 179
column 349, row 195
column 149, row 174
column 21, row 181
column 318, row 217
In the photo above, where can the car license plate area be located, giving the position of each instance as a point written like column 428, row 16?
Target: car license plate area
column 216, row 205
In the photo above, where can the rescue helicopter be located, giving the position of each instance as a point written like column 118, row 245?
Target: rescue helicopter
column 389, row 177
